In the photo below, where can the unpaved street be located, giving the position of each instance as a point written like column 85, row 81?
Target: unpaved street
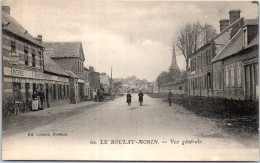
column 148, row 131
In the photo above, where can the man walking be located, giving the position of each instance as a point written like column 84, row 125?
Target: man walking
column 141, row 97
column 170, row 97
column 128, row 98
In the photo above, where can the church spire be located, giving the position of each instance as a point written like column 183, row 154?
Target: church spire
column 174, row 65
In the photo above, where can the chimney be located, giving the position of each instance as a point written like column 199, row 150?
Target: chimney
column 233, row 16
column 223, row 24
column 39, row 38
column 91, row 69
column 6, row 9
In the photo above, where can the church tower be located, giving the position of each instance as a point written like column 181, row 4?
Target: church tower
column 174, row 66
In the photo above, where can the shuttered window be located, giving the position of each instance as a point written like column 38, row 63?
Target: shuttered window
column 232, row 73
column 227, row 77
column 238, row 74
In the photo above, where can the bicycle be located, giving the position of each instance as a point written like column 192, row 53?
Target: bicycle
column 13, row 108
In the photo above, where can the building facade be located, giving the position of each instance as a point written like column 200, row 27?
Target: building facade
column 231, row 70
column 69, row 56
column 24, row 69
column 200, row 72
column 236, row 67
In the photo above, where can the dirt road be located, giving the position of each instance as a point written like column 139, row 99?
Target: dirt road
column 115, row 131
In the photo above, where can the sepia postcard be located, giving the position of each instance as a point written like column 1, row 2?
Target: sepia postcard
column 133, row 80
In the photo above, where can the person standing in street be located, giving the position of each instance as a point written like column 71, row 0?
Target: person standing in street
column 128, row 98
column 34, row 101
column 170, row 97
column 141, row 95
column 42, row 97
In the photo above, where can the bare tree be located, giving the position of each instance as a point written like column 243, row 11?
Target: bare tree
column 191, row 36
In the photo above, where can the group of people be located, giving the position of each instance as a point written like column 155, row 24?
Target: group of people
column 129, row 98
column 141, row 95
column 37, row 100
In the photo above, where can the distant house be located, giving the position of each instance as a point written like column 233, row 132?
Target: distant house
column 153, row 87
column 94, row 79
column 69, row 56
column 236, row 68
column 104, row 79
column 87, row 82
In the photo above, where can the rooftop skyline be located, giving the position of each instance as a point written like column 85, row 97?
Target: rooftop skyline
column 135, row 37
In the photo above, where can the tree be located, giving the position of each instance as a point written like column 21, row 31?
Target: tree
column 191, row 36
column 164, row 77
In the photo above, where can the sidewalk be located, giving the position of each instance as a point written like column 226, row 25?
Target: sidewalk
column 27, row 121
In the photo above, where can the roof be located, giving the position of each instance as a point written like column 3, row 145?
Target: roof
column 63, row 49
column 254, row 42
column 11, row 25
column 235, row 45
column 52, row 67
column 71, row 74
column 232, row 47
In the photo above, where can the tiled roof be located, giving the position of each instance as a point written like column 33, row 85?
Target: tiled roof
column 71, row 74
column 235, row 45
column 63, row 49
column 52, row 67
column 11, row 25
column 232, row 47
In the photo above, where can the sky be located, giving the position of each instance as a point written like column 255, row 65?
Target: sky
column 134, row 37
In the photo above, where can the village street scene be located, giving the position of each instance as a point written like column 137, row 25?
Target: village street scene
column 130, row 81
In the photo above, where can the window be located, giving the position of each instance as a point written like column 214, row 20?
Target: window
column 33, row 59
column 17, row 91
column 209, row 52
column 227, row 76
column 13, row 47
column 220, row 80
column 232, row 76
column 26, row 58
column 40, row 55
column 78, row 66
column 238, row 74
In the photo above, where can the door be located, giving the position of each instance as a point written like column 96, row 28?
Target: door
column 47, row 95
column 251, row 79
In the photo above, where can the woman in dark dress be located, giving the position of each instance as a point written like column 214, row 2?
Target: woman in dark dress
column 128, row 98
column 141, row 97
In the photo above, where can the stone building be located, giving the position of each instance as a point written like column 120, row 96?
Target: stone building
column 69, row 56
column 200, row 71
column 94, row 79
column 227, row 66
column 26, row 69
column 235, row 68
